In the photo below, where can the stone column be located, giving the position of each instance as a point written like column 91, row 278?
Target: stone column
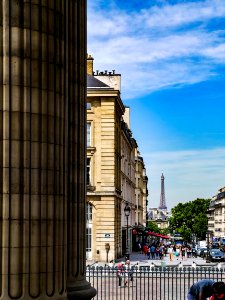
column 42, row 127
column 77, row 286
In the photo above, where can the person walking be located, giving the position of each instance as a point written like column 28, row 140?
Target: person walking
column 149, row 252
column 170, row 252
column 157, row 252
column 183, row 252
column 145, row 249
column 204, row 289
column 161, row 250
column 120, row 272
column 152, row 250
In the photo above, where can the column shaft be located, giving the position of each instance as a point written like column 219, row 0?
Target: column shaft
column 42, row 127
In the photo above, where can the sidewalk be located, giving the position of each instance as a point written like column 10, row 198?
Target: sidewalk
column 141, row 260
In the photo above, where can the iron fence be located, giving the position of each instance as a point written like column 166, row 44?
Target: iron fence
column 148, row 283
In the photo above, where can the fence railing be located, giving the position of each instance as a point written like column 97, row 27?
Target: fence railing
column 148, row 283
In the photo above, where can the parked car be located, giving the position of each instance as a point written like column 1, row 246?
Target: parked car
column 194, row 252
column 203, row 252
column 215, row 246
column 216, row 255
column 199, row 251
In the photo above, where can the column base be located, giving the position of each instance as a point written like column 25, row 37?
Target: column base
column 80, row 290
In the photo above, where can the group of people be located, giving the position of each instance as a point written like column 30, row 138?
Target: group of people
column 156, row 250
column 124, row 271
column 180, row 252
column 153, row 251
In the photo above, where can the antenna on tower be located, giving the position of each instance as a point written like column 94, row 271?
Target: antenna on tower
column 162, row 204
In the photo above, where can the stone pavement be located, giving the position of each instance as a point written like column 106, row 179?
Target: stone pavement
column 142, row 260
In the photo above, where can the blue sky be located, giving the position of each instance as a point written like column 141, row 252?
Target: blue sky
column 171, row 57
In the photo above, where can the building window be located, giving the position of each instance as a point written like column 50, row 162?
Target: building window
column 88, row 171
column 89, row 212
column 88, row 105
column 88, row 239
column 88, row 134
column 88, row 227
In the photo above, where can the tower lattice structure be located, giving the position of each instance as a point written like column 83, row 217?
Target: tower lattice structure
column 162, row 204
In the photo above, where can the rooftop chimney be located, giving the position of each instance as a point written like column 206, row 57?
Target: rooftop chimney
column 90, row 60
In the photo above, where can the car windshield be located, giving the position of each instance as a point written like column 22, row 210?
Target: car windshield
column 216, row 252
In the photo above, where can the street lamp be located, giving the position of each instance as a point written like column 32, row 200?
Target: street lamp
column 207, row 236
column 127, row 213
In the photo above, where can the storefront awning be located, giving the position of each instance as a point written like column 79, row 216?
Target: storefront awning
column 158, row 235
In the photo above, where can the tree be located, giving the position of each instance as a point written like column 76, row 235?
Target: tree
column 190, row 218
column 153, row 227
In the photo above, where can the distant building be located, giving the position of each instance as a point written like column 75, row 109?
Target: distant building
column 160, row 215
column 216, row 212
column 104, row 193
column 162, row 204
column 116, row 173
column 141, row 191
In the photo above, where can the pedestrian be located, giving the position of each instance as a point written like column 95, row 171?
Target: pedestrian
column 188, row 252
column 120, row 272
column 204, row 289
column 128, row 272
column 152, row 249
column 145, row 249
column 183, row 252
column 139, row 247
column 170, row 251
column 157, row 253
column 149, row 252
column 174, row 248
column 161, row 250
column 219, row 293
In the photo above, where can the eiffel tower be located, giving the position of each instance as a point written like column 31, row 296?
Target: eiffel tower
column 162, row 204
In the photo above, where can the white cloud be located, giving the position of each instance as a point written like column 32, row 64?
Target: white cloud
column 164, row 57
column 159, row 47
column 182, row 14
column 217, row 52
column 199, row 172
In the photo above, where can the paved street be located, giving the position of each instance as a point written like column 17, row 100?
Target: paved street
column 140, row 258
column 153, row 284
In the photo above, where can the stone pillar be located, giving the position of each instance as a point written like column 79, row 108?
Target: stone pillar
column 77, row 286
column 42, row 133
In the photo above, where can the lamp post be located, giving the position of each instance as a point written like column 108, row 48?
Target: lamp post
column 207, row 256
column 127, row 213
column 207, row 237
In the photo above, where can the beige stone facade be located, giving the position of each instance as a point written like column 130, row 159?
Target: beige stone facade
column 128, row 146
column 141, row 190
column 42, row 150
column 111, row 168
column 159, row 216
column 216, row 214
column 104, row 180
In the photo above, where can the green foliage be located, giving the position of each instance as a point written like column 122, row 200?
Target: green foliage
column 190, row 218
column 164, row 231
column 153, row 227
